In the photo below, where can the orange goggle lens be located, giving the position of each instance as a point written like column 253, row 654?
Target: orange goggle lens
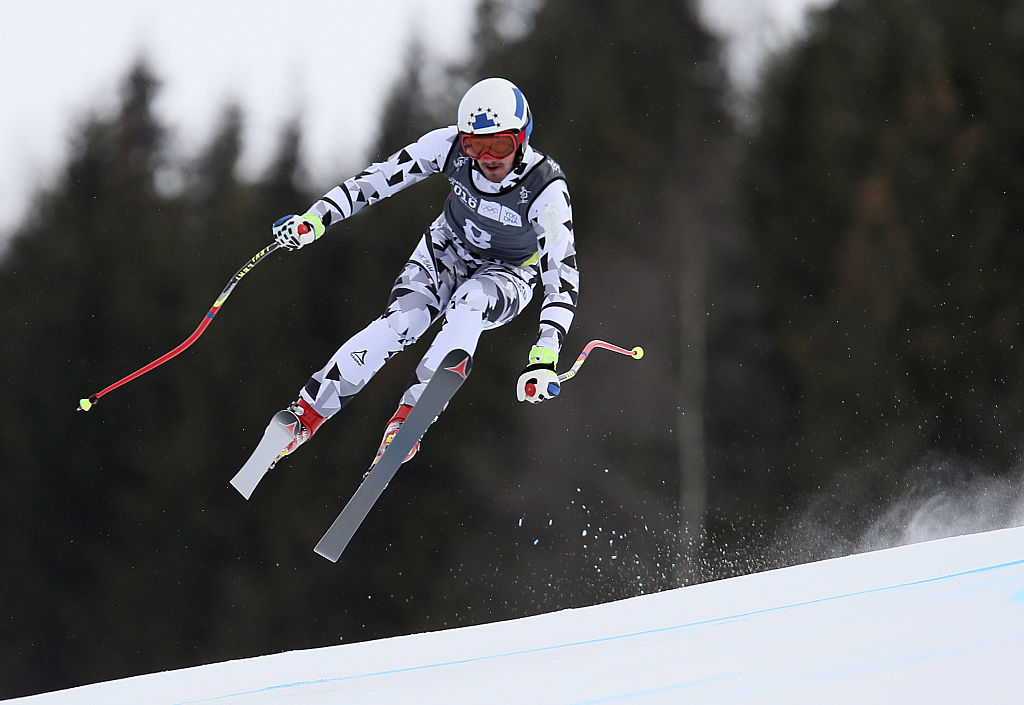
column 498, row 145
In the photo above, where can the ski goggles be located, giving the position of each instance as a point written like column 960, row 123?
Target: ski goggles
column 498, row 145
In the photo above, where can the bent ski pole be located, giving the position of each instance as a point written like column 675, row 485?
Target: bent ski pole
column 86, row 404
column 637, row 353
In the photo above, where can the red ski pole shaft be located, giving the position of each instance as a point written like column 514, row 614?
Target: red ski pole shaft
column 86, row 404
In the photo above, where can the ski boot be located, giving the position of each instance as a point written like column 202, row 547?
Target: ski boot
column 301, row 420
column 392, row 430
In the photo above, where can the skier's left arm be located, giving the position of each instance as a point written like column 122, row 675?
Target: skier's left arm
column 551, row 214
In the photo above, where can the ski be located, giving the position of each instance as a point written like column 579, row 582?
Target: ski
column 275, row 439
column 442, row 386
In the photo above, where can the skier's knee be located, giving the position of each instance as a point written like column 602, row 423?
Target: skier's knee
column 406, row 326
column 460, row 315
column 493, row 304
column 478, row 298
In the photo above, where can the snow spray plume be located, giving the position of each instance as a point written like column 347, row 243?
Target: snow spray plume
column 951, row 499
column 941, row 497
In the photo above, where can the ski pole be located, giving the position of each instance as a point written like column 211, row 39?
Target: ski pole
column 636, row 353
column 88, row 403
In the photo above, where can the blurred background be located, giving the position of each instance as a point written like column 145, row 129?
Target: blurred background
column 821, row 252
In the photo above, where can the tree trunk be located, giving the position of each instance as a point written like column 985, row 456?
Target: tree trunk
column 692, row 376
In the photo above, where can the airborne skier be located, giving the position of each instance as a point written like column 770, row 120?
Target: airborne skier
column 506, row 223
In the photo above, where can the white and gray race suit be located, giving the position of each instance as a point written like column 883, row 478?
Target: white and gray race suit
column 476, row 265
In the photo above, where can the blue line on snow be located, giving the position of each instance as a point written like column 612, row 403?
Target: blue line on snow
column 586, row 642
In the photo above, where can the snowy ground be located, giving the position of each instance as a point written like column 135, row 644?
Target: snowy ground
column 936, row 622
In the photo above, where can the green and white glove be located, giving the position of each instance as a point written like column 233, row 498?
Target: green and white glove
column 293, row 231
column 539, row 381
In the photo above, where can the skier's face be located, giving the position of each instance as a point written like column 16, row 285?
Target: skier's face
column 496, row 169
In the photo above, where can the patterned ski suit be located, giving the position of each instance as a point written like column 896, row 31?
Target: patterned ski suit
column 477, row 264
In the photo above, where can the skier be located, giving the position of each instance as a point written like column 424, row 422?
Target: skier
column 506, row 223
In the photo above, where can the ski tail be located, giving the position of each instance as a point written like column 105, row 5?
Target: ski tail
column 280, row 432
column 453, row 371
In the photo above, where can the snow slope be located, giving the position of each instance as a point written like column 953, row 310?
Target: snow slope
column 936, row 622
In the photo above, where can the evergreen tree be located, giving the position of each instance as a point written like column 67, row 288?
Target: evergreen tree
column 73, row 318
column 879, row 184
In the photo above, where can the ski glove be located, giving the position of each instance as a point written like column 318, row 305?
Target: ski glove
column 293, row 231
column 539, row 381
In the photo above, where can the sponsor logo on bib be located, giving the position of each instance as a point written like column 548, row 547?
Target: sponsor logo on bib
column 502, row 214
column 510, row 217
column 490, row 209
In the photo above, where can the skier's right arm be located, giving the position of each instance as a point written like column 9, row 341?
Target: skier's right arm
column 407, row 166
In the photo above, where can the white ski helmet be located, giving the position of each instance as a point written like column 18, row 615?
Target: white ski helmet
column 494, row 105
